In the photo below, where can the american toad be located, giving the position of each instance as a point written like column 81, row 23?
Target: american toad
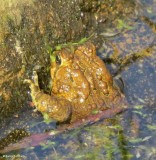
column 81, row 84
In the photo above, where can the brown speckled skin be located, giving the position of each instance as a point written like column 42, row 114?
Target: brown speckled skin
column 81, row 83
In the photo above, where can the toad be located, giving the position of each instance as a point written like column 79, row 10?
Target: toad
column 81, row 85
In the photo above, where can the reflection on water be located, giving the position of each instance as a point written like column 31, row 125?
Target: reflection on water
column 123, row 37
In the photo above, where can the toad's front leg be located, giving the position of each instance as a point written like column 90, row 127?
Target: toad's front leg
column 57, row 108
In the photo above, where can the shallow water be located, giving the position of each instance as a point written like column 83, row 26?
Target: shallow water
column 130, row 135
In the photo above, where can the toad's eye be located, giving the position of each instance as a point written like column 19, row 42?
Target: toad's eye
column 58, row 59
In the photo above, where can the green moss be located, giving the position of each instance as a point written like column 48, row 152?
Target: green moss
column 69, row 45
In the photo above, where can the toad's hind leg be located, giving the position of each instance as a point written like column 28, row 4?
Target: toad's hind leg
column 56, row 108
